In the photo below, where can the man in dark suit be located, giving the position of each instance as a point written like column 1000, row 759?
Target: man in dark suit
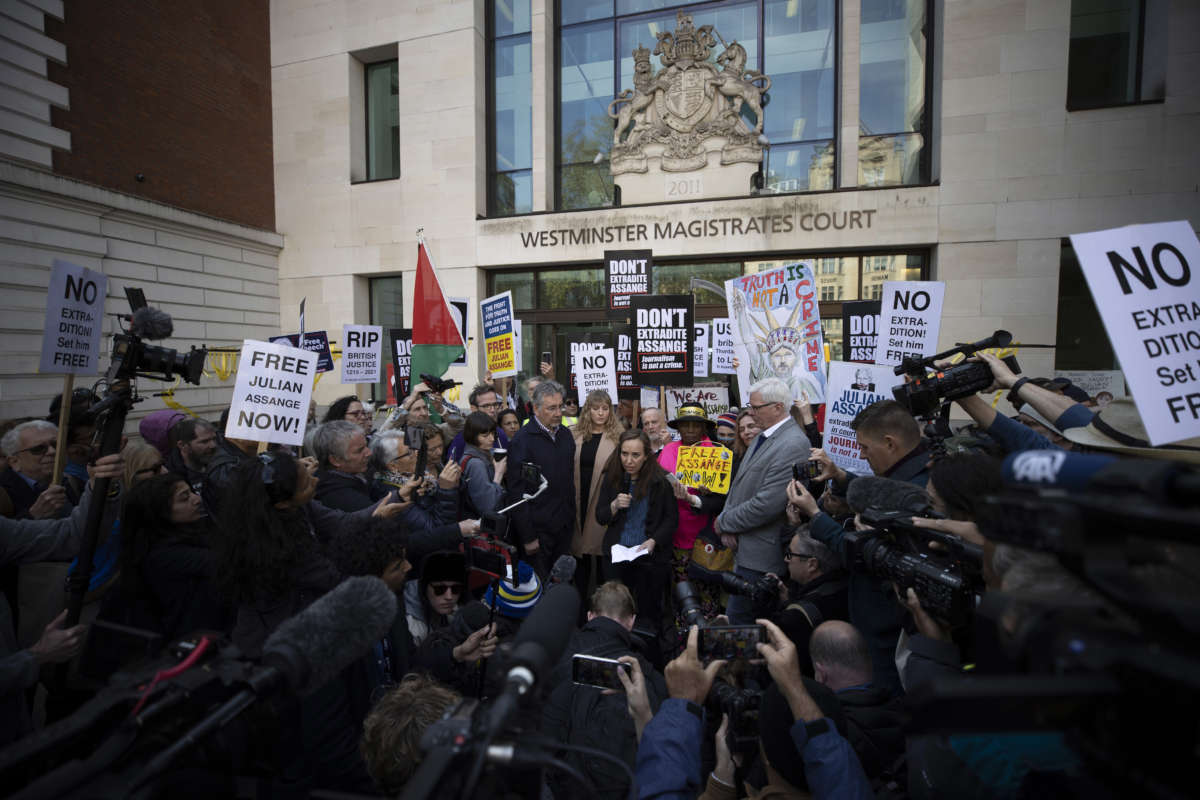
column 544, row 526
column 757, row 502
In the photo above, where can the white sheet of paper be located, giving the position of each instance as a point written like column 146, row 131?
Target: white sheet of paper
column 621, row 553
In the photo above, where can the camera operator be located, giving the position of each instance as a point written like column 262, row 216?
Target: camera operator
column 585, row 715
column 669, row 753
column 872, row 606
column 815, row 590
column 754, row 505
column 890, row 441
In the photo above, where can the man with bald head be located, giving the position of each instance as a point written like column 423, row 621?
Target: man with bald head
column 841, row 659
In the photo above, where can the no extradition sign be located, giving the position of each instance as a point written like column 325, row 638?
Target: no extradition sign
column 74, row 316
column 1142, row 280
column 597, row 371
column 909, row 321
column 272, row 393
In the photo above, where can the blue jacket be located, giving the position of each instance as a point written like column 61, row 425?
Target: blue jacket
column 668, row 761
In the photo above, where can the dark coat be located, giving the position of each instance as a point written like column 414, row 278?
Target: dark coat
column 662, row 517
column 219, row 473
column 875, row 727
column 808, row 606
column 179, row 573
column 342, row 491
column 582, row 715
column 552, row 516
column 20, row 493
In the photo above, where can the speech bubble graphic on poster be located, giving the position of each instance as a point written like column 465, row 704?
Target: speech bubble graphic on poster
column 272, row 393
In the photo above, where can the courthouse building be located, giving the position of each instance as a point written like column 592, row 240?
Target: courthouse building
column 952, row 140
column 233, row 158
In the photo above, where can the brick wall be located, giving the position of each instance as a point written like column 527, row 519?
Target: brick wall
column 179, row 93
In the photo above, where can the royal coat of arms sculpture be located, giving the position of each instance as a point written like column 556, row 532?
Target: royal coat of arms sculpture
column 688, row 116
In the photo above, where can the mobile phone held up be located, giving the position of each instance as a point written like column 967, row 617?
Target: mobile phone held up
column 806, row 471
column 547, row 357
column 728, row 642
column 598, row 672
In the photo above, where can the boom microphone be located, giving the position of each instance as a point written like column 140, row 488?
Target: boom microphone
column 150, row 323
column 315, row 645
column 885, row 494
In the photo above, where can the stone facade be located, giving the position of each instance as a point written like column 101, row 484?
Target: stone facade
column 1013, row 171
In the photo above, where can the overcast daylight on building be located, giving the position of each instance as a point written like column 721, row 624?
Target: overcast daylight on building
column 234, row 157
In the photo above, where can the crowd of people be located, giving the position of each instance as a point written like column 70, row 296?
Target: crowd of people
column 207, row 533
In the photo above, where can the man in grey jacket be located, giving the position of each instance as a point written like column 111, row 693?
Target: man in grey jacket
column 757, row 503
column 22, row 542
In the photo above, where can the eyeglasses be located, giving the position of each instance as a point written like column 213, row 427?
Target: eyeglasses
column 788, row 555
column 361, row 414
column 440, row 589
column 37, row 449
column 490, row 405
column 763, row 405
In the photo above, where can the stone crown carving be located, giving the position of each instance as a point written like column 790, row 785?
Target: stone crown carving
column 691, row 107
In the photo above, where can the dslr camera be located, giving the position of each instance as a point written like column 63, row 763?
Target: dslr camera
column 763, row 592
column 437, row 385
column 133, row 357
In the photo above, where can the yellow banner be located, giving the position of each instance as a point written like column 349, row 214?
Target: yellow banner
column 705, row 468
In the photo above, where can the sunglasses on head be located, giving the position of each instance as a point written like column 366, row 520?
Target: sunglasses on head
column 440, row 589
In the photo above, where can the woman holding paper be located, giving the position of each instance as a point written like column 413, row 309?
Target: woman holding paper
column 597, row 434
column 637, row 504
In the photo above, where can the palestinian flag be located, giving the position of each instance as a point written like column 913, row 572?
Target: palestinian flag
column 436, row 342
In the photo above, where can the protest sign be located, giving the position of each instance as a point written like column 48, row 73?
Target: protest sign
column 74, row 316
column 713, row 399
column 648, row 396
column 272, row 393
column 1105, row 385
column 362, row 353
column 626, row 273
column 777, row 330
column 722, row 347
column 852, row 387
column 705, row 468
column 1141, row 279
column 583, row 343
column 910, row 317
column 626, row 388
column 401, row 339
column 860, row 329
column 460, row 312
column 662, row 342
column 700, row 350
column 499, row 339
column 517, row 340
column 597, row 370
column 312, row 341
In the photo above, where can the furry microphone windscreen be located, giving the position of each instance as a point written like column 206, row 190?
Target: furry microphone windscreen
column 316, row 644
column 886, row 495
column 150, row 323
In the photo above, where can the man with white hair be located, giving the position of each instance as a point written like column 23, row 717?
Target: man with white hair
column 29, row 450
column 757, row 501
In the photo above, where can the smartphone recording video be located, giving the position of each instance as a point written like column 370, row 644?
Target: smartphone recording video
column 598, row 672
column 729, row 642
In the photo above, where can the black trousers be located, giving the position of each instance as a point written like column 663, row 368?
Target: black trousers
column 647, row 579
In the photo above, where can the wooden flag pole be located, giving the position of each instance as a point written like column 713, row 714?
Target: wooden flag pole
column 64, row 418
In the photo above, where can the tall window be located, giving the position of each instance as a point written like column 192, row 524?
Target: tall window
column 387, row 309
column 1118, row 53
column 793, row 41
column 511, row 179
column 383, row 120
column 892, row 111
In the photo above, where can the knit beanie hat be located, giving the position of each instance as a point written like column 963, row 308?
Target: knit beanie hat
column 154, row 427
column 727, row 419
column 516, row 600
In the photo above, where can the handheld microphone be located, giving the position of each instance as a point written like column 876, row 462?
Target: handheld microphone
column 628, row 484
column 539, row 644
column 150, row 323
